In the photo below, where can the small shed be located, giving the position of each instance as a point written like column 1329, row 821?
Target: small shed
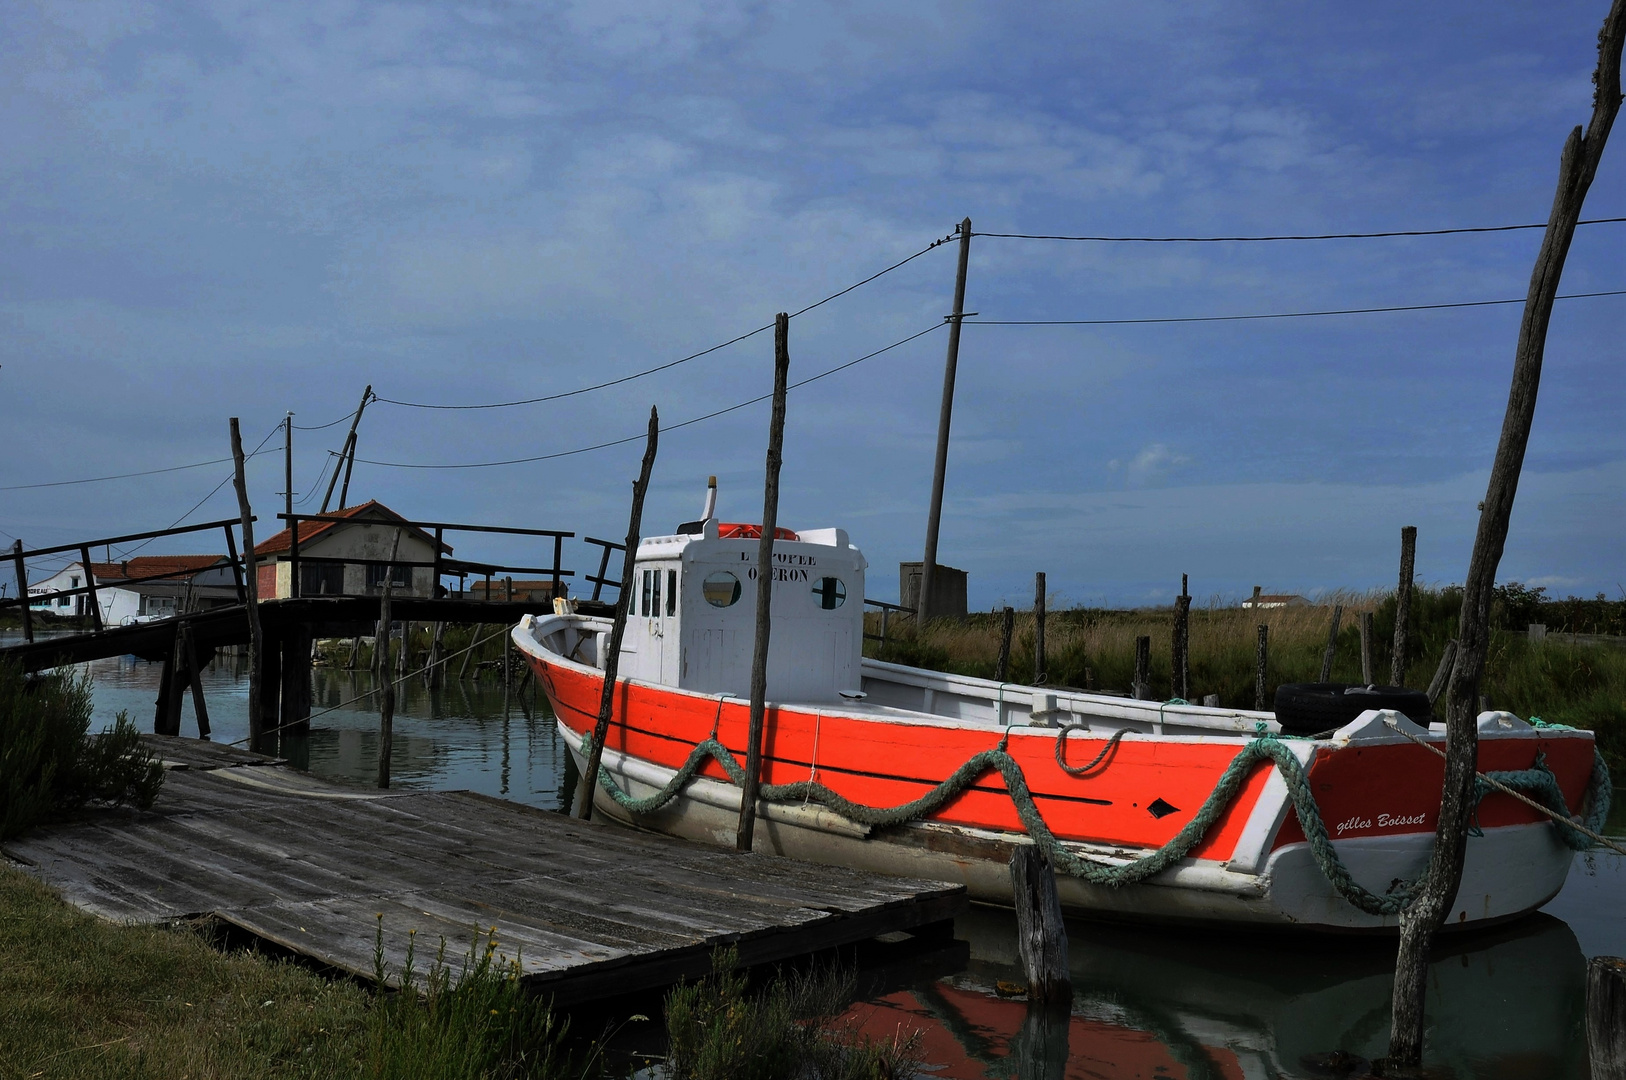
column 948, row 587
column 350, row 557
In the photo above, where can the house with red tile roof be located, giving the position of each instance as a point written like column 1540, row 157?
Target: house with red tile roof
column 140, row 588
column 350, row 557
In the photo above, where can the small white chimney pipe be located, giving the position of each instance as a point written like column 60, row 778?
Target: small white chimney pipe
column 711, row 498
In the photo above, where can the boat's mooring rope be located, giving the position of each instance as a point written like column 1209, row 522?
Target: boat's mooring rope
column 1265, row 747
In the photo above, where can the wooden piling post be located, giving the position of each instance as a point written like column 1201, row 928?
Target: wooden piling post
column 90, row 583
column 1366, row 648
column 1142, row 688
column 251, row 589
column 1039, row 665
column 355, row 653
column 22, row 590
column 171, row 684
column 386, row 684
column 1439, row 885
column 1332, row 643
column 1606, row 1016
column 1180, row 662
column 403, row 659
column 1408, row 566
column 926, row 600
column 199, row 709
column 1436, row 685
column 1041, row 933
column 295, row 708
column 1261, row 656
column 623, row 604
column 745, row 834
column 474, row 639
column 436, row 672
column 1007, row 625
column 507, row 642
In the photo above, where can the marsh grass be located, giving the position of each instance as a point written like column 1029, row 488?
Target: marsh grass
column 718, row 1030
column 1090, row 648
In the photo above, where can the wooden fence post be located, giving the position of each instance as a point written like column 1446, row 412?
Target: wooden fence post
column 1261, row 656
column 1007, row 625
column 623, row 604
column 1366, row 648
column 1142, row 688
column 745, row 834
column 1040, row 675
column 1180, row 675
column 251, row 590
column 1408, row 565
column 1606, row 1016
column 1438, row 886
column 1332, row 643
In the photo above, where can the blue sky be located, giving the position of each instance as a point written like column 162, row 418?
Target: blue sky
column 242, row 209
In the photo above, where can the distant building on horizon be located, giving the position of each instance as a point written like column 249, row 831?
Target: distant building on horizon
column 194, row 581
column 1262, row 600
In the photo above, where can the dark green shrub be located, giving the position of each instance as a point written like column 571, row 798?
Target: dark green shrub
column 49, row 768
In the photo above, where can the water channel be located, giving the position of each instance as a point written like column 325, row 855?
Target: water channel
column 1149, row 1002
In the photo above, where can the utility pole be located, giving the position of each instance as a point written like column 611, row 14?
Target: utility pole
column 345, row 454
column 928, row 569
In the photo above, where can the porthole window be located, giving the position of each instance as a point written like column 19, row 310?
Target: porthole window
column 721, row 589
column 830, row 593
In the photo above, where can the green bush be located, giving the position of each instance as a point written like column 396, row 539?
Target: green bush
column 480, row 1025
column 49, row 768
column 716, row 1031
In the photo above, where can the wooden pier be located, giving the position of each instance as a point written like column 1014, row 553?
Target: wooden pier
column 591, row 910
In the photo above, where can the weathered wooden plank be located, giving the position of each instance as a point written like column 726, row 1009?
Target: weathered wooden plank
column 591, row 909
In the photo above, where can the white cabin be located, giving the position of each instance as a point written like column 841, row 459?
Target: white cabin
column 692, row 619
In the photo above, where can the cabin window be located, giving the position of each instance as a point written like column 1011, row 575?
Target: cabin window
column 655, row 593
column 830, row 593
column 643, row 603
column 721, row 589
column 671, row 592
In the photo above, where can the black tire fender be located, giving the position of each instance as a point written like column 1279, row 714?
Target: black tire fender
column 1311, row 708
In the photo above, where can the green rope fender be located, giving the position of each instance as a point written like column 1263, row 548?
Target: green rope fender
column 1263, row 748
column 1540, row 784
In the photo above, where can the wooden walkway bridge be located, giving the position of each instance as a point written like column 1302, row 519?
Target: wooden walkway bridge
column 591, row 910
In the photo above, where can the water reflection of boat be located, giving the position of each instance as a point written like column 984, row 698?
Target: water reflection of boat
column 1505, row 1003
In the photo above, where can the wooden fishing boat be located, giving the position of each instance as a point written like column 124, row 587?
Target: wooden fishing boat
column 1147, row 809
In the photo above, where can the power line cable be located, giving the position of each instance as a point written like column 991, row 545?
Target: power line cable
column 127, row 552
column 661, row 367
column 664, row 429
column 1272, row 315
column 1303, row 236
column 322, row 427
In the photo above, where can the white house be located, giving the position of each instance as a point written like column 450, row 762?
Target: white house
column 122, row 594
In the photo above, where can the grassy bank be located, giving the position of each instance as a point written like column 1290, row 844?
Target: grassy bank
column 81, row 998
column 1582, row 685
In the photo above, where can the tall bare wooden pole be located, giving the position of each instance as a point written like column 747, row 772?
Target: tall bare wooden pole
column 386, row 683
column 746, row 832
column 623, row 604
column 928, row 569
column 251, row 587
column 1577, row 166
column 345, row 451
column 1408, row 570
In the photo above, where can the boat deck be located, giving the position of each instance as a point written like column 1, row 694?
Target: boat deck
column 592, row 910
